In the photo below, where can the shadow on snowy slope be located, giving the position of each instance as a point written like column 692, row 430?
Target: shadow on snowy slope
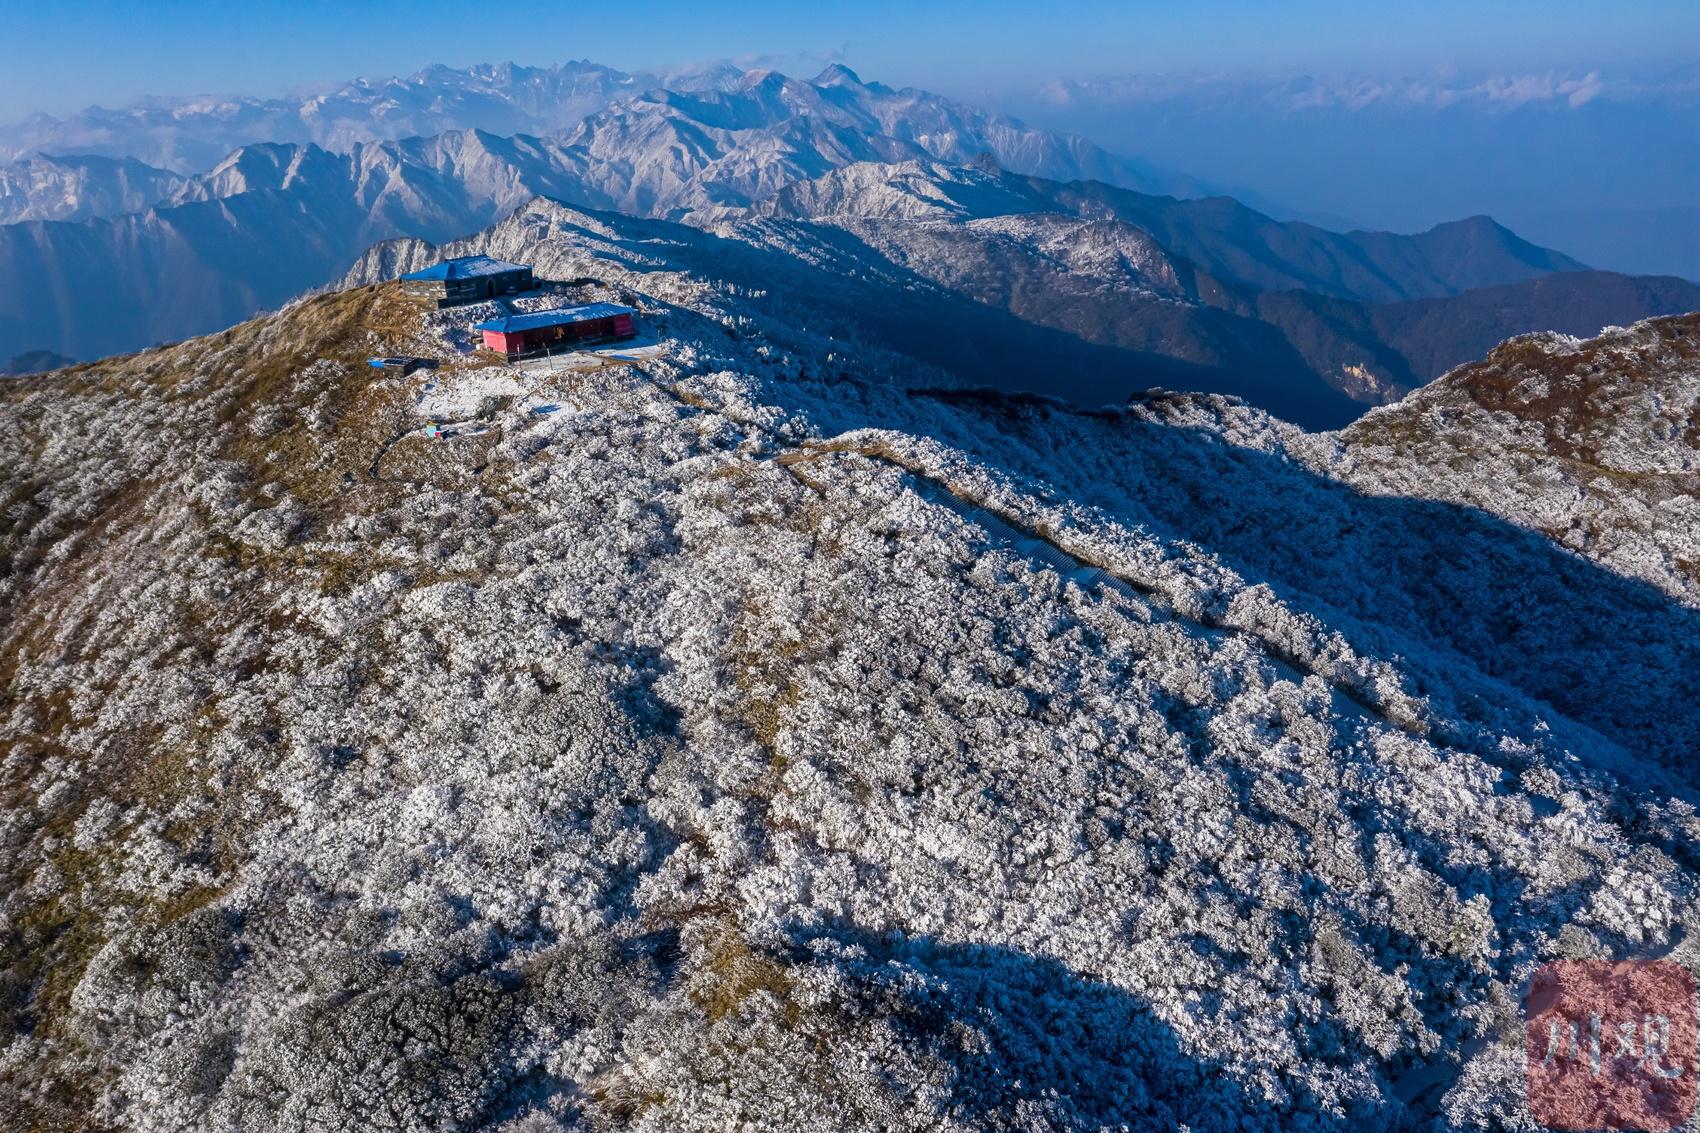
column 1131, row 348
column 1436, row 584
column 1031, row 1044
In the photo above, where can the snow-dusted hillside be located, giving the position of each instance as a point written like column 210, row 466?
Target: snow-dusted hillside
column 711, row 733
column 1596, row 443
column 1018, row 303
column 79, row 188
column 435, row 187
column 962, row 227
column 1254, row 294
column 1019, row 283
column 1222, row 237
column 669, row 151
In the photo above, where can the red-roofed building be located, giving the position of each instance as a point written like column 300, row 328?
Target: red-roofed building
column 515, row 335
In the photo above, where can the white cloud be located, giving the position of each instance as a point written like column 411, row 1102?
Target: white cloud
column 1438, row 89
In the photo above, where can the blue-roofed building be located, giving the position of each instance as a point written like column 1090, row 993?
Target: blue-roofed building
column 468, row 279
column 514, row 335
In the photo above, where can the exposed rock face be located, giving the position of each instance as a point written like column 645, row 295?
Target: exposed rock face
column 720, row 734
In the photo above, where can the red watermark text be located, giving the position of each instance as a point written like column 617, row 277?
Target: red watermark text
column 1612, row 1045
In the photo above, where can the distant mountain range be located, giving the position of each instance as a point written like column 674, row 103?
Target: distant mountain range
column 34, row 362
column 646, row 144
column 1090, row 310
column 1217, row 235
column 272, row 219
column 82, row 187
column 187, row 136
column 1217, row 284
column 1043, row 228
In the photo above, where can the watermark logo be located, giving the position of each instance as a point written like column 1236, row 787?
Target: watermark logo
column 1612, row 1045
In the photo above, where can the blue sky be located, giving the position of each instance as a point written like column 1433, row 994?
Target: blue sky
column 66, row 55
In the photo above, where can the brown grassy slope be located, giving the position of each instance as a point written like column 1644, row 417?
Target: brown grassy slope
column 1576, row 394
column 1595, row 443
column 99, row 466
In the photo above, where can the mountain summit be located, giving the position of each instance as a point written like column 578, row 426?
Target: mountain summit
column 721, row 729
column 837, row 75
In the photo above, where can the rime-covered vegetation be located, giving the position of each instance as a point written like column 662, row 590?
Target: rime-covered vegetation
column 658, row 750
column 1594, row 442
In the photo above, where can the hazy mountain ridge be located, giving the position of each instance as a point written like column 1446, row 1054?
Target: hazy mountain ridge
column 35, row 362
column 668, row 152
column 190, row 135
column 107, row 286
column 694, row 135
column 266, row 224
column 1218, row 234
column 80, row 188
column 712, row 738
column 956, row 226
column 1439, row 335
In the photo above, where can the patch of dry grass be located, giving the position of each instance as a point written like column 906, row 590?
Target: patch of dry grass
column 735, row 972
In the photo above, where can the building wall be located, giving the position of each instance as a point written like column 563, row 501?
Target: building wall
column 424, row 288
column 452, row 292
column 522, row 342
